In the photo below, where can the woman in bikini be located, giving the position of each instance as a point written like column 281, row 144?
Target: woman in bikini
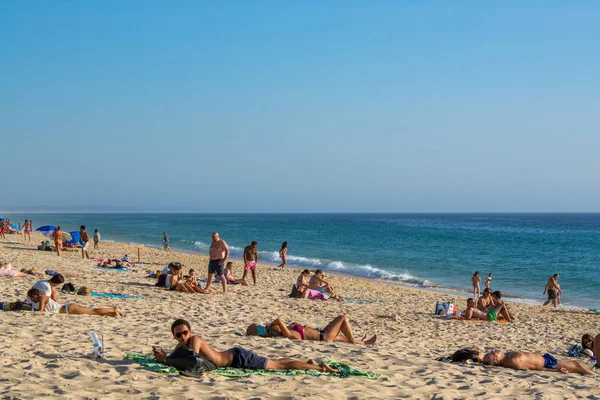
column 283, row 255
column 45, row 304
column 57, row 235
column 296, row 331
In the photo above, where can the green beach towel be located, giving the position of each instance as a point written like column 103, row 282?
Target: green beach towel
column 345, row 370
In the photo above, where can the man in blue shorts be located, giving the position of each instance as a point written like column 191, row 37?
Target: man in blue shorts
column 534, row 362
column 236, row 357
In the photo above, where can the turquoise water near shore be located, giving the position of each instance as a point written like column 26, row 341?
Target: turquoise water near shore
column 424, row 250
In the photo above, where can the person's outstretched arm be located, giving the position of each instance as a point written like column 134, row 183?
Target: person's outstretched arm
column 284, row 330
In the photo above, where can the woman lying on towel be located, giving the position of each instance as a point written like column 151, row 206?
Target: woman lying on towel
column 296, row 331
column 44, row 303
column 7, row 271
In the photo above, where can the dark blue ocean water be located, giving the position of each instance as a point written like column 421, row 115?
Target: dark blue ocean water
column 522, row 250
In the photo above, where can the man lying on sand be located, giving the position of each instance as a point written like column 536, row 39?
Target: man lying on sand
column 236, row 357
column 492, row 314
column 533, row 362
column 45, row 304
column 296, row 331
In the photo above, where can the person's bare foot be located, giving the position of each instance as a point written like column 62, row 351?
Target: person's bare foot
column 371, row 341
column 327, row 368
column 118, row 312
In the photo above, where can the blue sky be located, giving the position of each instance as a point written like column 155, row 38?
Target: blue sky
column 350, row 106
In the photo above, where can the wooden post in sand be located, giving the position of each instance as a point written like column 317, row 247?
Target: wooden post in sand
column 139, row 256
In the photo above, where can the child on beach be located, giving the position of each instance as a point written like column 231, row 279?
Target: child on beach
column 96, row 239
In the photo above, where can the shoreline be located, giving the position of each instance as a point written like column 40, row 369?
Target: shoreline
column 410, row 337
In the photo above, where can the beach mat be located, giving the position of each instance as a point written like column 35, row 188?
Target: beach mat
column 116, row 296
column 353, row 300
column 345, row 370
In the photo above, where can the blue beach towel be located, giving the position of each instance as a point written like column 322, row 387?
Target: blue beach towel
column 116, row 296
column 112, row 269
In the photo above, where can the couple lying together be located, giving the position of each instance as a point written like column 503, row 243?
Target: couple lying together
column 43, row 297
column 192, row 355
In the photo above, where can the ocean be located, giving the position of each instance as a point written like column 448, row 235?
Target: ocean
column 438, row 251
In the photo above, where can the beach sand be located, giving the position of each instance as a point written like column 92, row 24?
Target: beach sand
column 42, row 354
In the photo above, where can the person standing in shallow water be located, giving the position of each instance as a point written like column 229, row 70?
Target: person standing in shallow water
column 475, row 279
column 166, row 242
column 554, row 291
column 283, row 255
column 488, row 281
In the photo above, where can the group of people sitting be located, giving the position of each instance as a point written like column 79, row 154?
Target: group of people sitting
column 489, row 307
column 313, row 287
column 172, row 278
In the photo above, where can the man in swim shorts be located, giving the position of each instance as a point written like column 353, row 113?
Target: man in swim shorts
column 534, row 362
column 250, row 261
column 471, row 312
column 553, row 289
column 236, row 357
column 85, row 238
column 219, row 252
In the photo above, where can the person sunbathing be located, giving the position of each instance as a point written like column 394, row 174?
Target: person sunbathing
column 491, row 314
column 7, row 271
column 587, row 345
column 533, row 362
column 236, row 357
column 46, row 304
column 296, row 331
column 230, row 278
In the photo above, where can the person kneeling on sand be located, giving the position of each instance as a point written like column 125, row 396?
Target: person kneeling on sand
column 533, row 362
column 236, row 357
column 296, row 331
column 46, row 304
column 491, row 314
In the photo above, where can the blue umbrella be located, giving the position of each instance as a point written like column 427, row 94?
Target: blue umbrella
column 1, row 218
column 46, row 228
column 76, row 237
column 14, row 226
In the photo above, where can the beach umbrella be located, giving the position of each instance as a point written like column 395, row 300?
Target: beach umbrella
column 46, row 228
column 1, row 218
column 76, row 238
column 14, row 226
column 65, row 236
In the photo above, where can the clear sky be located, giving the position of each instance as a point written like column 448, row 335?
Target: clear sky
column 300, row 106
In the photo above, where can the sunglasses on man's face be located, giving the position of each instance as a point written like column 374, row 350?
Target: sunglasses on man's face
column 180, row 334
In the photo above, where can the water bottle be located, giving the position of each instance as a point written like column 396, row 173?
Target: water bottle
column 97, row 344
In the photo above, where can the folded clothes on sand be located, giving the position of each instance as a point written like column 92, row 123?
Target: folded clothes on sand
column 116, row 296
column 345, row 370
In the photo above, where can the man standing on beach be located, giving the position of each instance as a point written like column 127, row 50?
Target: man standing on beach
column 85, row 238
column 553, row 289
column 219, row 252
column 250, row 261
column 27, row 230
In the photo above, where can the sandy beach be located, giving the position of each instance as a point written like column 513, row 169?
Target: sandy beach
column 43, row 354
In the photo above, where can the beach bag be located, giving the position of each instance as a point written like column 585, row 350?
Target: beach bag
column 162, row 280
column 445, row 309
column 188, row 362
column 68, row 288
column 84, row 291
column 463, row 355
column 295, row 293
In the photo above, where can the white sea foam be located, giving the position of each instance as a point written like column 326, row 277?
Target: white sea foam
column 366, row 271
